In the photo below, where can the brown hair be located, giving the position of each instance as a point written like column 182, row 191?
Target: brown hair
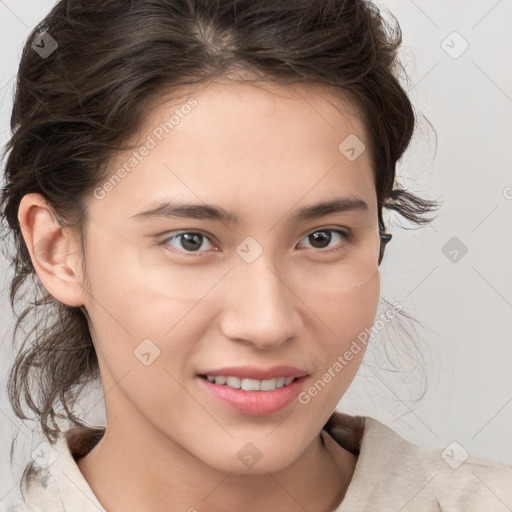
column 76, row 107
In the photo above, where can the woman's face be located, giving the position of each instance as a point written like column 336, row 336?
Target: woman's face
column 266, row 289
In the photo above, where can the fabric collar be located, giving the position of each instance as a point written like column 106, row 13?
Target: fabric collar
column 385, row 461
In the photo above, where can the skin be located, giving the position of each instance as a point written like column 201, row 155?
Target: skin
column 260, row 152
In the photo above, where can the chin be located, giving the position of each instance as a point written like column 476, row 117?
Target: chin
column 249, row 460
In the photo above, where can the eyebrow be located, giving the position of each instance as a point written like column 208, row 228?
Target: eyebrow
column 203, row 211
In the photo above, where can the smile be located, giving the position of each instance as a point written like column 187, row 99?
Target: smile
column 249, row 384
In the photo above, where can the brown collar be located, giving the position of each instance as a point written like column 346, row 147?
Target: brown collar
column 347, row 430
column 81, row 439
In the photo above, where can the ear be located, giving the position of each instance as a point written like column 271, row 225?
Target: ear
column 55, row 251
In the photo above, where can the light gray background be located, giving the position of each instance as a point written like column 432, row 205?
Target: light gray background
column 465, row 307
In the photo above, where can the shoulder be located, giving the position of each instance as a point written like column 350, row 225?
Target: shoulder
column 52, row 480
column 464, row 481
column 452, row 478
column 393, row 471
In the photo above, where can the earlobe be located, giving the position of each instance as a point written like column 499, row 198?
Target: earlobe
column 53, row 250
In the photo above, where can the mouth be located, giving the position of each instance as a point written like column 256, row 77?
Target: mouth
column 252, row 397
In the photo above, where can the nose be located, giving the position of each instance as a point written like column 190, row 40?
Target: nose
column 260, row 306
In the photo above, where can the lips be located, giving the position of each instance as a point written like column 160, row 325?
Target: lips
column 253, row 403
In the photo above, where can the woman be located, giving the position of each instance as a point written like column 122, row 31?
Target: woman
column 199, row 188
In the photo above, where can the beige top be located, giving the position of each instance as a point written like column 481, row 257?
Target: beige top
column 391, row 474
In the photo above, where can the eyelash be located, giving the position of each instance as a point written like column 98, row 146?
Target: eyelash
column 345, row 235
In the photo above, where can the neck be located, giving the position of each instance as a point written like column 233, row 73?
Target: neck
column 167, row 476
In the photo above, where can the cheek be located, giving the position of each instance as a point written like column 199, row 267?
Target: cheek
column 349, row 317
column 143, row 344
column 345, row 314
column 139, row 326
column 134, row 293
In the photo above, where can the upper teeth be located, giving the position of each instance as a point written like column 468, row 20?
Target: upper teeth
column 251, row 384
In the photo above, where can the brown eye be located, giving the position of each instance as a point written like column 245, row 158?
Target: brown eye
column 188, row 241
column 321, row 238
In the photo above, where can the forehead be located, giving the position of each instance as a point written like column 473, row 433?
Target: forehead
column 245, row 144
column 261, row 101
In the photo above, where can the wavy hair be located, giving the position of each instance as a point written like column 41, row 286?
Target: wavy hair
column 75, row 108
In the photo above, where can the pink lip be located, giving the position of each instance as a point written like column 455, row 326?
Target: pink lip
column 254, row 403
column 252, row 372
